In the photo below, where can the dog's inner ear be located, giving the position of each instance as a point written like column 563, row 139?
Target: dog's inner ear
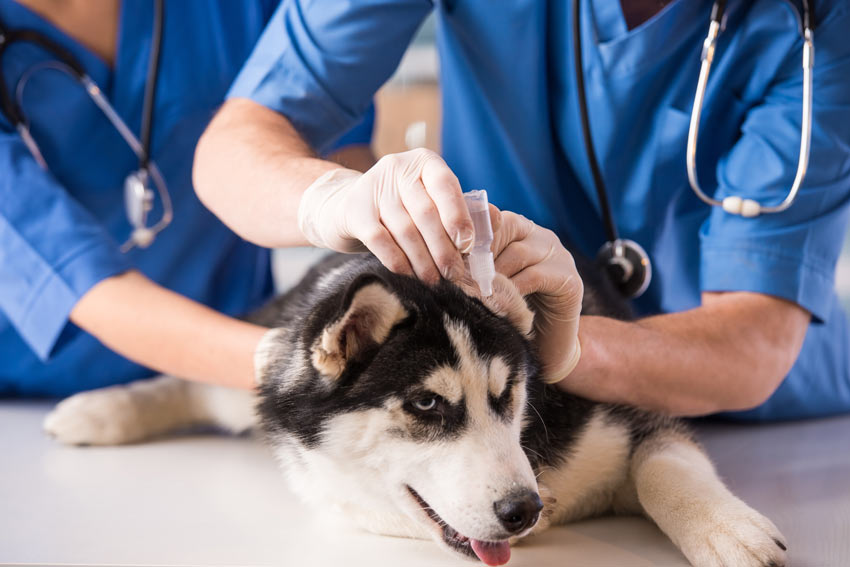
column 372, row 312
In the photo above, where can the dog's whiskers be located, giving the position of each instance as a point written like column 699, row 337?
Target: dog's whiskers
column 543, row 423
column 543, row 470
column 532, row 451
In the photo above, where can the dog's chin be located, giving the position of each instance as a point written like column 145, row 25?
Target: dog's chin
column 490, row 552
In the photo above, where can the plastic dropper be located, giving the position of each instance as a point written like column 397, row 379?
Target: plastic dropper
column 480, row 258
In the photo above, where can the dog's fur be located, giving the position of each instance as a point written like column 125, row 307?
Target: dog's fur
column 418, row 411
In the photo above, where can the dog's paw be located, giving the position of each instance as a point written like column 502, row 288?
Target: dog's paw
column 100, row 417
column 734, row 534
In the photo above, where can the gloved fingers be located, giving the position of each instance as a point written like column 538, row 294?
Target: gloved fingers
column 533, row 246
column 409, row 240
column 495, row 217
column 558, row 290
column 512, row 227
column 531, row 280
column 518, row 256
column 443, row 188
column 381, row 243
column 426, row 217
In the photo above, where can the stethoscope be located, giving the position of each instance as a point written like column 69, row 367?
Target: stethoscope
column 625, row 261
column 138, row 195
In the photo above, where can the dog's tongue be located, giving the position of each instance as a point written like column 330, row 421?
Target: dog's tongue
column 491, row 553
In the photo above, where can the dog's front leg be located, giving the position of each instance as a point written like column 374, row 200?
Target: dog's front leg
column 678, row 488
column 146, row 408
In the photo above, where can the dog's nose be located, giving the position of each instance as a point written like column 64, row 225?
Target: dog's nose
column 519, row 510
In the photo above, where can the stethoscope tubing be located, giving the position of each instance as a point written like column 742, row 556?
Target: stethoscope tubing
column 592, row 161
column 65, row 62
column 734, row 204
column 632, row 278
column 135, row 144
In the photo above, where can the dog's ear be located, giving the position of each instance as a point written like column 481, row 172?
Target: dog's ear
column 370, row 310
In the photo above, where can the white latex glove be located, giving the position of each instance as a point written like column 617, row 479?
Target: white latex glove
column 534, row 259
column 407, row 209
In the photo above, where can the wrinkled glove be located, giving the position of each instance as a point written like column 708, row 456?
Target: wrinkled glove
column 407, row 209
column 534, row 259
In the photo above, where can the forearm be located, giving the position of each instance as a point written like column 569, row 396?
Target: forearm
column 167, row 332
column 251, row 168
column 729, row 354
column 356, row 156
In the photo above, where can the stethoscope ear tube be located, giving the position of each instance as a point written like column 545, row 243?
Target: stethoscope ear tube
column 138, row 196
column 593, row 163
column 8, row 104
column 733, row 204
column 626, row 263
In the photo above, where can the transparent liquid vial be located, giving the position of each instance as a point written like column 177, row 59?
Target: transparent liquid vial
column 480, row 258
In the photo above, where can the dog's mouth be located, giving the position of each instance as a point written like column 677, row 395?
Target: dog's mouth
column 490, row 552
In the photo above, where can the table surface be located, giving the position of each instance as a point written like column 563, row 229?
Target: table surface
column 218, row 500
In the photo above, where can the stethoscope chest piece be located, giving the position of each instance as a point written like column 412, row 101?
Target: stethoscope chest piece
column 141, row 186
column 138, row 202
column 138, row 198
column 627, row 265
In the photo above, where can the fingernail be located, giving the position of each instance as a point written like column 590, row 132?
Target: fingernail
column 447, row 272
column 464, row 240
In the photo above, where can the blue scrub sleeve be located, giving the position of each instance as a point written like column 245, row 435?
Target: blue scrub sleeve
column 792, row 254
column 319, row 62
column 52, row 250
column 360, row 135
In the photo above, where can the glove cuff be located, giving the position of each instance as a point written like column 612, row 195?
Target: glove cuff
column 566, row 367
column 312, row 213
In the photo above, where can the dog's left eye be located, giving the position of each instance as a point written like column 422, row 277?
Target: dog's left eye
column 425, row 404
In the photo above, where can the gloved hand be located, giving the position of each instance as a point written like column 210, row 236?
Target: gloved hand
column 534, row 259
column 407, row 209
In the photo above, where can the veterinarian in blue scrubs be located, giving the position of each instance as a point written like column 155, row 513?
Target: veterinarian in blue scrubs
column 737, row 298
column 60, row 228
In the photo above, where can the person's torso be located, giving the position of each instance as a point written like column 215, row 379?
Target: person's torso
column 511, row 117
column 204, row 44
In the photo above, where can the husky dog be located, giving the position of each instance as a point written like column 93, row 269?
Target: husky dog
column 418, row 411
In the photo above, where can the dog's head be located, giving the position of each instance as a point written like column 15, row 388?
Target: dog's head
column 403, row 404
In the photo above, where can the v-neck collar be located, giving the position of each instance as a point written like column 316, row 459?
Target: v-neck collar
column 609, row 22
column 630, row 51
column 97, row 68
column 132, row 52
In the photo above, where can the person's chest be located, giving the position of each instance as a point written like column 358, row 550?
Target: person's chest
column 92, row 24
column 204, row 44
column 639, row 84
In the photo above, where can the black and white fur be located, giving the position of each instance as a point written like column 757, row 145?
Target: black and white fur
column 418, row 411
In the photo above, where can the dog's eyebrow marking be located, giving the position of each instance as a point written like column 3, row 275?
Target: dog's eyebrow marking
column 483, row 380
column 443, row 381
column 498, row 376
column 471, row 370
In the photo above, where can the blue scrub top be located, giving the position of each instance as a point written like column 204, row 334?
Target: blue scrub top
column 60, row 230
column 511, row 125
